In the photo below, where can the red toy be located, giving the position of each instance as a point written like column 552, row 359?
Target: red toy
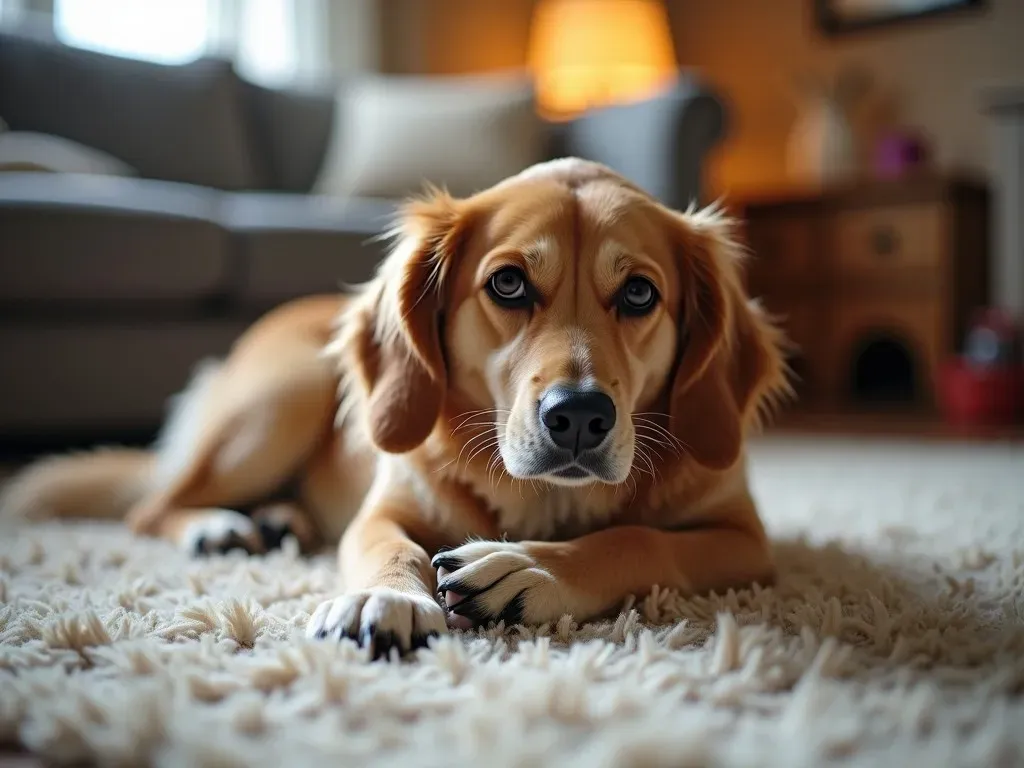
column 985, row 385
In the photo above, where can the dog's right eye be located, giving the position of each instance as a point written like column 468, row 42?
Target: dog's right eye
column 508, row 287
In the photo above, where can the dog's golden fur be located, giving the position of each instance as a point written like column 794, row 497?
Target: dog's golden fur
column 404, row 419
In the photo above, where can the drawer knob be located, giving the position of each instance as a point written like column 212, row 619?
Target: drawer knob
column 885, row 242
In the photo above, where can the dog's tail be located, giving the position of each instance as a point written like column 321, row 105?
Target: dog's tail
column 103, row 483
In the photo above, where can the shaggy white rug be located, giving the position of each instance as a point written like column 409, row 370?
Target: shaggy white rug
column 894, row 637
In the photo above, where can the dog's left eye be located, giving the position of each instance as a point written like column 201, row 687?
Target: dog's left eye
column 638, row 296
column 509, row 287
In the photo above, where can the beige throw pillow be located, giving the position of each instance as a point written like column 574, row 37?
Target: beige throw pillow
column 394, row 133
column 27, row 150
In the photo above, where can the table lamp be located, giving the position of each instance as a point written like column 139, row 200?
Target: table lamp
column 590, row 53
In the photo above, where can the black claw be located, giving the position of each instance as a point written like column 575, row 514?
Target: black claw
column 321, row 634
column 380, row 642
column 233, row 541
column 199, row 548
column 454, row 584
column 514, row 611
column 446, row 561
column 351, row 634
column 366, row 636
column 422, row 641
column 273, row 534
column 473, row 609
column 383, row 642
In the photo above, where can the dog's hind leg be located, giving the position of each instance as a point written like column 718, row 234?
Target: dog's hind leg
column 212, row 530
column 247, row 426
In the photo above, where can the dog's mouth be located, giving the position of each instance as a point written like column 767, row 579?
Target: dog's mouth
column 574, row 472
column 568, row 470
column 532, row 456
column 572, row 475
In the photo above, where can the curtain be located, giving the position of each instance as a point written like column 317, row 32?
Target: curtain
column 272, row 42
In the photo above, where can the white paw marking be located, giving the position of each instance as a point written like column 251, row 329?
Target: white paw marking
column 497, row 581
column 380, row 618
column 218, row 529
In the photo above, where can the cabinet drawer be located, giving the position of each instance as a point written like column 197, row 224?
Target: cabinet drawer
column 883, row 242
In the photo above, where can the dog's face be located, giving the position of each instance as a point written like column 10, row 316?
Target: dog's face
column 575, row 315
column 559, row 321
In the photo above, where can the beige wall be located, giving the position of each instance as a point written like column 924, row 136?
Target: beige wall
column 925, row 74
column 467, row 35
column 402, row 40
column 454, row 36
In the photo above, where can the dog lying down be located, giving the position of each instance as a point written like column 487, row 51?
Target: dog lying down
column 537, row 407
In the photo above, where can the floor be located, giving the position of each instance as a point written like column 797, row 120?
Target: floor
column 894, row 636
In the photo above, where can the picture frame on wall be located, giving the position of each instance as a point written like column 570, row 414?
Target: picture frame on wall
column 838, row 17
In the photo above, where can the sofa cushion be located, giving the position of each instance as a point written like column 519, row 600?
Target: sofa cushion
column 289, row 130
column 178, row 123
column 465, row 133
column 292, row 245
column 101, row 377
column 41, row 151
column 72, row 238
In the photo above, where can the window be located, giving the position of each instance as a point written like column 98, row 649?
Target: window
column 272, row 42
column 11, row 12
column 266, row 49
column 165, row 31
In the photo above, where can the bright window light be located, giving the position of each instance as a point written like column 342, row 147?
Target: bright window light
column 266, row 44
column 165, row 31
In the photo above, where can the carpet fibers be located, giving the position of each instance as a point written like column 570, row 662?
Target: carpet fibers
column 895, row 636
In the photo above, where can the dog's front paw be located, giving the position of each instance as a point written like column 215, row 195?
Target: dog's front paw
column 380, row 619
column 497, row 581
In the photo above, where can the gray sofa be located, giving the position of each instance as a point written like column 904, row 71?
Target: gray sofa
column 112, row 288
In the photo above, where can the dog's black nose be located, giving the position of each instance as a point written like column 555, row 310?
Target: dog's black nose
column 577, row 420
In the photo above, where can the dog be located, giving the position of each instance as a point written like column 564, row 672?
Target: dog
column 537, row 407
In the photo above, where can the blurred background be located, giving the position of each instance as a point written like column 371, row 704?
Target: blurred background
column 171, row 169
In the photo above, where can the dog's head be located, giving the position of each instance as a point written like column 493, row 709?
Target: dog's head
column 571, row 314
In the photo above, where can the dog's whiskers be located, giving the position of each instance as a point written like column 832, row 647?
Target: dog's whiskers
column 641, row 417
column 463, row 450
column 653, row 443
column 498, row 463
column 644, row 423
column 475, row 425
column 631, row 477
column 652, row 469
column 491, row 443
column 468, row 418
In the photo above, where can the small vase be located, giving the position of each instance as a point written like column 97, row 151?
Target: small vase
column 821, row 149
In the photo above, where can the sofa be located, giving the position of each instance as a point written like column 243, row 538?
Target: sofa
column 113, row 287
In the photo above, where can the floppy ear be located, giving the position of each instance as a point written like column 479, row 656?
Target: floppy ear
column 395, row 342
column 731, row 363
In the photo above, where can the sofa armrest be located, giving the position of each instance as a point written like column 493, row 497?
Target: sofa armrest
column 661, row 144
column 69, row 238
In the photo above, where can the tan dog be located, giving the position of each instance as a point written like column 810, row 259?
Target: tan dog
column 558, row 370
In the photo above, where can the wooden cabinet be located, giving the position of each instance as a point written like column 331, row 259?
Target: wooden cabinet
column 875, row 284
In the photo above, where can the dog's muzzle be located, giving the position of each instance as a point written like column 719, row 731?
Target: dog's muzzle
column 577, row 423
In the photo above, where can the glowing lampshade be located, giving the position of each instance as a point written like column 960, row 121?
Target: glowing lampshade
column 588, row 53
